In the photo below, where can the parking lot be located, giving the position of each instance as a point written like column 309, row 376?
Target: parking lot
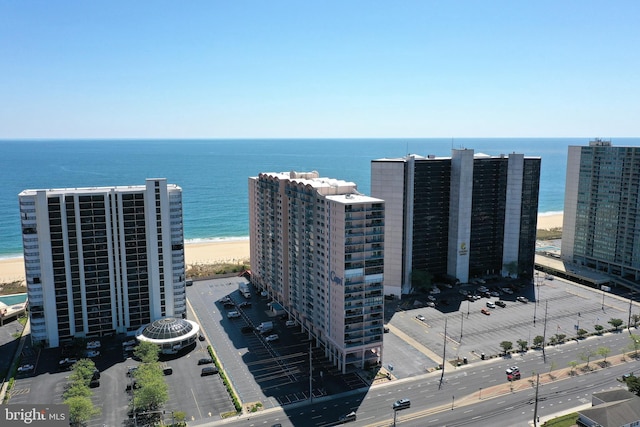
column 271, row 372
column 470, row 332
column 199, row 397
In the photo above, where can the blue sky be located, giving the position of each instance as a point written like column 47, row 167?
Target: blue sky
column 272, row 69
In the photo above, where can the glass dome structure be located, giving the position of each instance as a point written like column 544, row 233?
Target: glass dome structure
column 169, row 333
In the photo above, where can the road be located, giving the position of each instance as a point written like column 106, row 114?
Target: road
column 475, row 391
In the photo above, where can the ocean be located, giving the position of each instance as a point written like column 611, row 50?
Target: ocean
column 214, row 174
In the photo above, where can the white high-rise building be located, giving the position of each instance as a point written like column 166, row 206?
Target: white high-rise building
column 601, row 223
column 317, row 248
column 102, row 260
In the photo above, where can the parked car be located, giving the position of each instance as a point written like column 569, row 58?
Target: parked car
column 92, row 353
column 522, row 299
column 129, row 343
column 401, row 404
column 67, row 361
column 244, row 304
column 431, row 304
column 431, row 298
column 290, row 323
column 494, row 293
column 209, row 370
column 205, row 361
column 25, row 368
column 233, row 314
column 272, row 337
column 92, row 345
column 507, row 291
column 501, row 304
column 491, row 304
column 421, row 318
column 351, row 416
column 229, row 304
column 485, row 311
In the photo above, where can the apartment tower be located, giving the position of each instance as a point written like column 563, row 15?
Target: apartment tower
column 317, row 248
column 459, row 217
column 102, row 260
column 601, row 225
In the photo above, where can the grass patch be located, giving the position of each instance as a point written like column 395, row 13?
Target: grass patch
column 563, row 421
column 551, row 234
column 10, row 288
column 197, row 271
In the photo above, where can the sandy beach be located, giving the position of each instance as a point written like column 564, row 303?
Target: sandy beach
column 234, row 251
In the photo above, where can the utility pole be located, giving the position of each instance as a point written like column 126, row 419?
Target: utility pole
column 462, row 324
column 544, row 333
column 535, row 408
column 629, row 321
column 444, row 353
column 310, row 375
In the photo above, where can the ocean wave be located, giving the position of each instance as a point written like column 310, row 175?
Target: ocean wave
column 216, row 240
column 550, row 213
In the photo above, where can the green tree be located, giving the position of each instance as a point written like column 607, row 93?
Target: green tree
column 572, row 364
column 152, row 391
column 506, row 346
column 598, row 328
column 523, row 344
column 81, row 410
column 582, row 332
column 147, row 352
column 604, row 352
column 635, row 318
column 586, row 356
column 633, row 384
column 82, row 371
column 421, row 280
column 76, row 390
column 616, row 323
column 538, row 341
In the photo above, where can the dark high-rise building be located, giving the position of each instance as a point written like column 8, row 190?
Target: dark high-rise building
column 464, row 216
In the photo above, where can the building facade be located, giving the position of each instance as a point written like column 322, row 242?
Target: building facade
column 317, row 248
column 459, row 217
column 601, row 209
column 100, row 261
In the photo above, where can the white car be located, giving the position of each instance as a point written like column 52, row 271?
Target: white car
column 272, row 337
column 93, row 353
column 431, row 298
column 507, row 291
column 129, row 343
column 67, row 361
column 290, row 323
column 25, row 368
column 93, row 345
column 431, row 304
column 233, row 314
column 512, row 370
column 420, row 317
